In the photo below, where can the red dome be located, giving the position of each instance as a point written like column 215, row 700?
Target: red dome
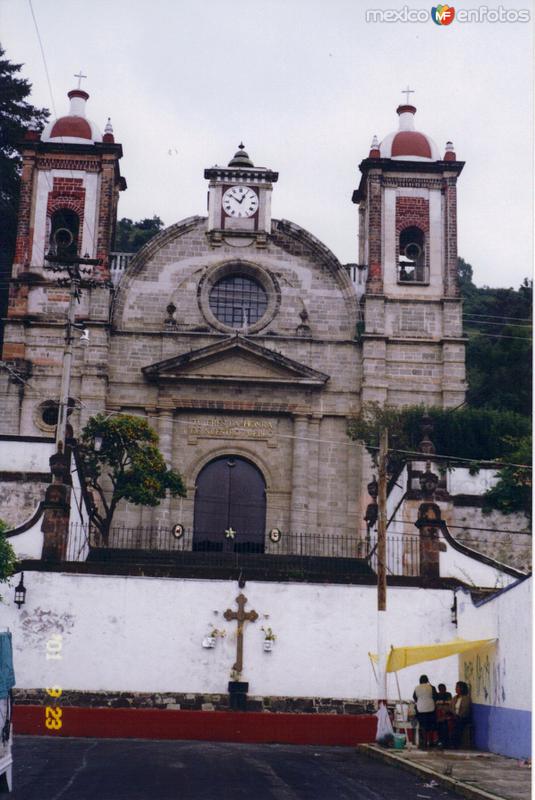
column 72, row 126
column 411, row 143
column 407, row 143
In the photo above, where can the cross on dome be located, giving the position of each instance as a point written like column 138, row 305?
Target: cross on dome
column 408, row 92
column 80, row 76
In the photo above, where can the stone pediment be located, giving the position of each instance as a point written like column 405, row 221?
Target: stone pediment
column 235, row 360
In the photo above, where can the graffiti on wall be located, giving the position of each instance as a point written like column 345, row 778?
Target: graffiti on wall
column 484, row 672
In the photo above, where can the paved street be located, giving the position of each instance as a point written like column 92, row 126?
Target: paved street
column 112, row 769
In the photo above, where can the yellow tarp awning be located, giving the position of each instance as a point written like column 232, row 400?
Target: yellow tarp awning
column 401, row 657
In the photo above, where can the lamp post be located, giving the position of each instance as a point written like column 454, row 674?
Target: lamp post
column 20, row 592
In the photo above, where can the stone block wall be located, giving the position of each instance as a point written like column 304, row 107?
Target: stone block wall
column 176, row 701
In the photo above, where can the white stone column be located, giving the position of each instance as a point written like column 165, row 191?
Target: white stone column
column 299, row 504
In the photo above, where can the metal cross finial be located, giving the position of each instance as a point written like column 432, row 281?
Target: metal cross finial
column 80, row 76
column 408, row 92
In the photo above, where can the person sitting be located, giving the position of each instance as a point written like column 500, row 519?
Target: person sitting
column 443, row 715
column 461, row 708
column 424, row 697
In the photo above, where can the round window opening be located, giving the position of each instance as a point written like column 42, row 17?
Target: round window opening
column 49, row 414
column 238, row 301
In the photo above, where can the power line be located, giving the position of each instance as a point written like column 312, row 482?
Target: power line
column 86, row 221
column 416, row 456
column 494, row 316
column 499, row 336
column 472, row 321
column 466, row 528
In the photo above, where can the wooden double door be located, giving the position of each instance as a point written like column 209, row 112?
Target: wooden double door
column 230, row 506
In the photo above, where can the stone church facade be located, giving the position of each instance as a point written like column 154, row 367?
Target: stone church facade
column 242, row 339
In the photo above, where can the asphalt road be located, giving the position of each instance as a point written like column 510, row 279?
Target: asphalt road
column 133, row 769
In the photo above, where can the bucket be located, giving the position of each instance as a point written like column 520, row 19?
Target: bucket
column 399, row 741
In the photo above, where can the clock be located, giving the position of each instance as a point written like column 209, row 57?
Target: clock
column 240, row 201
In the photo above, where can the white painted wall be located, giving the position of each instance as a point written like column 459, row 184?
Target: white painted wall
column 24, row 456
column 145, row 634
column 460, row 481
column 472, row 571
column 30, row 543
column 506, row 681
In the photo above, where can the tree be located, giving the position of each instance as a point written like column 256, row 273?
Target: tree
column 129, row 462
column 499, row 350
column 16, row 113
column 8, row 559
column 477, row 434
column 513, row 492
column 131, row 236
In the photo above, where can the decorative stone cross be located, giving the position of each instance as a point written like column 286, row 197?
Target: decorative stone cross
column 80, row 76
column 408, row 92
column 241, row 616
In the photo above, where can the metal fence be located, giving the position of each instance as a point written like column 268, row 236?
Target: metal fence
column 330, row 552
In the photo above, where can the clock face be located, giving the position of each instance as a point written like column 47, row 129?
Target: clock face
column 240, row 201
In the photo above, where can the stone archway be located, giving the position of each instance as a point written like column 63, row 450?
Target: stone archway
column 230, row 506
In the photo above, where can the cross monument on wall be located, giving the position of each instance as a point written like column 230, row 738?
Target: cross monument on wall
column 241, row 616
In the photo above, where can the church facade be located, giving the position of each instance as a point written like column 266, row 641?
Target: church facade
column 241, row 338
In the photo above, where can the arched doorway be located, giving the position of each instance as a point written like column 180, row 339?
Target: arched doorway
column 230, row 506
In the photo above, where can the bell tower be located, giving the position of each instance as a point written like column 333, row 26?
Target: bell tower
column 69, row 193
column 412, row 345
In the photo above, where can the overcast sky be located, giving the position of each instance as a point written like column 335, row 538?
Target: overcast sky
column 305, row 85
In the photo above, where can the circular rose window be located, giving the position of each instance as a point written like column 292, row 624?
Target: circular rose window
column 238, row 296
column 238, row 301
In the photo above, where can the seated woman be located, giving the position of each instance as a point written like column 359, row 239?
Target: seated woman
column 443, row 713
column 461, row 708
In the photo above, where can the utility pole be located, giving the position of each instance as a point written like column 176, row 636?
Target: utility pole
column 381, row 564
column 75, row 282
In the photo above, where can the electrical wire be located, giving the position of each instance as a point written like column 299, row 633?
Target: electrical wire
column 416, row 456
column 86, row 221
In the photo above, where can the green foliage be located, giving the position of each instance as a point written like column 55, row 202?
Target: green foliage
column 15, row 115
column 478, row 434
column 513, row 492
column 129, row 459
column 8, row 559
column 499, row 352
column 131, row 236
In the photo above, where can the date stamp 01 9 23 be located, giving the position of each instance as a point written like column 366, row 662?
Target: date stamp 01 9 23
column 53, row 713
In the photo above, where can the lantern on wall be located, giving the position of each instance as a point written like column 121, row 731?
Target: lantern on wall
column 20, row 592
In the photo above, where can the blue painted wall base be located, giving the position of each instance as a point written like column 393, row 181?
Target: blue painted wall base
column 506, row 731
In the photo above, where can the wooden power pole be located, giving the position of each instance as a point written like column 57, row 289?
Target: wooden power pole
column 381, row 565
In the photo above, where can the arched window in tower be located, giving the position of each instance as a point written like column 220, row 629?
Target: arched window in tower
column 412, row 262
column 64, row 233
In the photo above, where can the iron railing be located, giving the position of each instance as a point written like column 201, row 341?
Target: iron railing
column 330, row 552
column 409, row 272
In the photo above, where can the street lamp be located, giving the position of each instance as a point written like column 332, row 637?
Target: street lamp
column 20, row 592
